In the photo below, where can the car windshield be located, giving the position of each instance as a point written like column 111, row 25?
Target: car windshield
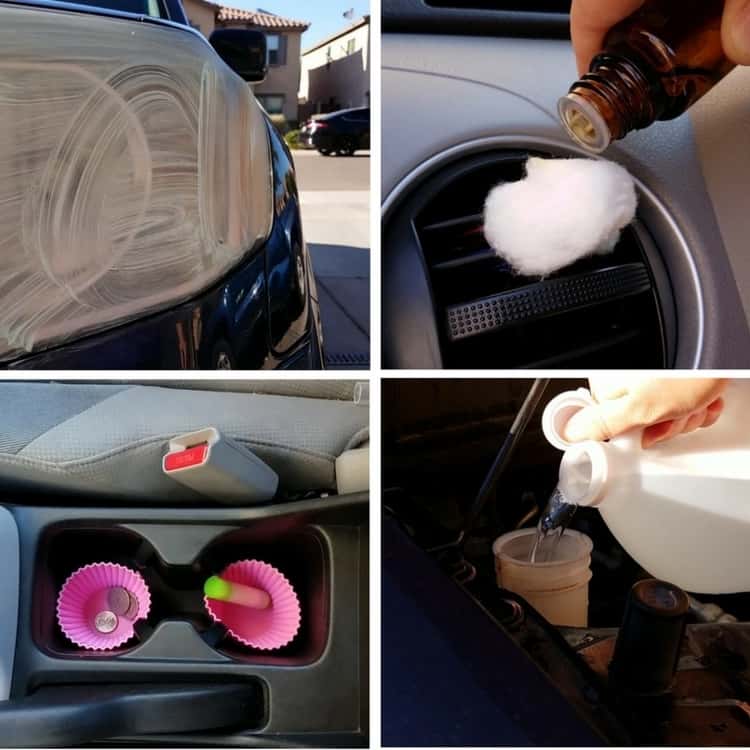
column 141, row 7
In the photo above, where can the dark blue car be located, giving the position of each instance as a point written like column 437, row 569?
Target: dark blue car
column 149, row 208
column 342, row 132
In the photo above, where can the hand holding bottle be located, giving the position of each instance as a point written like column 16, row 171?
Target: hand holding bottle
column 664, row 408
column 590, row 20
column 643, row 61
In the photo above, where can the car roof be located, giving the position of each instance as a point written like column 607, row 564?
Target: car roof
column 338, row 112
column 174, row 13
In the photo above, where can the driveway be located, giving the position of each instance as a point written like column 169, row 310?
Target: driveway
column 335, row 198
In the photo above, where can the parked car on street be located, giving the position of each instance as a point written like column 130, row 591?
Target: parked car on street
column 342, row 132
column 149, row 210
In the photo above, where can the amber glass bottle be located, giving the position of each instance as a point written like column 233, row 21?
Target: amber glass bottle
column 654, row 65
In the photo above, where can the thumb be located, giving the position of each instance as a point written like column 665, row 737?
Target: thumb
column 735, row 31
column 600, row 421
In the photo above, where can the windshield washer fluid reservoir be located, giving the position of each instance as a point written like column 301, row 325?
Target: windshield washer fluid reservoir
column 681, row 508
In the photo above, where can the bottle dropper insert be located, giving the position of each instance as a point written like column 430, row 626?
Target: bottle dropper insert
column 584, row 123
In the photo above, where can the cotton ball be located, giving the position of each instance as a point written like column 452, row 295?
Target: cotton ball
column 564, row 210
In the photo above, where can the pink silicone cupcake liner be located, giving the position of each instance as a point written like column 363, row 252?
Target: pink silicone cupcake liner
column 264, row 629
column 100, row 603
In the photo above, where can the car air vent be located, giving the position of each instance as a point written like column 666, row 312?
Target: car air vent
column 530, row 6
column 612, row 310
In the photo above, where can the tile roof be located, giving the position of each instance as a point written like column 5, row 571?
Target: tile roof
column 260, row 18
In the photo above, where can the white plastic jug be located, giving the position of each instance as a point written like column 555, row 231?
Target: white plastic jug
column 681, row 508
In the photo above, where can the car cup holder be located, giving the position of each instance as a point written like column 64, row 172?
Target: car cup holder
column 309, row 686
column 104, row 592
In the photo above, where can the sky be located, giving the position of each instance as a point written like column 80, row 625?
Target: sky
column 325, row 16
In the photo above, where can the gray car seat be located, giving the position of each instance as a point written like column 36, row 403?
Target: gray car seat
column 336, row 390
column 108, row 439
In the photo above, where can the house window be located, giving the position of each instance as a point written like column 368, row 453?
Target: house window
column 351, row 46
column 272, row 103
column 273, row 43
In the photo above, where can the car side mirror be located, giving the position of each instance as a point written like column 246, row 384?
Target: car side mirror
column 244, row 51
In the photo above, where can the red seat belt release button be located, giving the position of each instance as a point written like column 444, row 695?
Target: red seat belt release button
column 183, row 459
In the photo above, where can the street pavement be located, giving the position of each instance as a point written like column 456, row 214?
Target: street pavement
column 335, row 198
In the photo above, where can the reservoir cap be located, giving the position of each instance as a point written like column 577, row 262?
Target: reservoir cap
column 660, row 598
column 648, row 643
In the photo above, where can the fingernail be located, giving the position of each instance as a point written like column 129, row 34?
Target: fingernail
column 716, row 406
column 656, row 433
column 740, row 34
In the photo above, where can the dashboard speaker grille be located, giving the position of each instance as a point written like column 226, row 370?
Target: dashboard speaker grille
column 546, row 298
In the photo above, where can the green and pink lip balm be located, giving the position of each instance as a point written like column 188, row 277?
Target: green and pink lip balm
column 255, row 602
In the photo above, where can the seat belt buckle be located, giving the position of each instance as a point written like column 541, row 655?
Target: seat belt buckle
column 218, row 467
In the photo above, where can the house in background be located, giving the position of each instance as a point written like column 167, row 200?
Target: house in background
column 336, row 71
column 278, row 93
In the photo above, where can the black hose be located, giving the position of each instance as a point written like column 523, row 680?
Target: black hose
column 507, row 449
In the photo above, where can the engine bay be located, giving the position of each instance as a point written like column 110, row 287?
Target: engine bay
column 440, row 440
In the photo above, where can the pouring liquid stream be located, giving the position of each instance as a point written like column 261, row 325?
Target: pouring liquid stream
column 555, row 519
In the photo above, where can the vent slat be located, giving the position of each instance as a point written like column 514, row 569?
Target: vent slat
column 455, row 242
column 478, row 256
column 473, row 219
column 572, row 355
